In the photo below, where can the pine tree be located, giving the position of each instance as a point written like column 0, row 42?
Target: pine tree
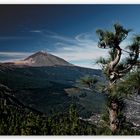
column 117, row 68
column 73, row 117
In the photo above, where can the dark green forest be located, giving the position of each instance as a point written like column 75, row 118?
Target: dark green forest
column 17, row 119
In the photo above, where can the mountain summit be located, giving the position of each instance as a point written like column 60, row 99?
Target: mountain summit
column 42, row 58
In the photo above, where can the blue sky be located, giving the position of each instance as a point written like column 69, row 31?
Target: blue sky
column 67, row 31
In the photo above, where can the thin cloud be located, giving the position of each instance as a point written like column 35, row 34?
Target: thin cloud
column 79, row 53
column 35, row 31
column 84, row 45
column 46, row 34
column 85, row 37
column 84, row 51
column 14, row 53
column 12, row 56
column 14, row 37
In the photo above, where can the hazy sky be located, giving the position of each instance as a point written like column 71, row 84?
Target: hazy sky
column 67, row 31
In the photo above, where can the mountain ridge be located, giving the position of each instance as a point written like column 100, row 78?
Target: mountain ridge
column 40, row 59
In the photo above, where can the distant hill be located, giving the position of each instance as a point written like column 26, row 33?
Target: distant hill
column 40, row 59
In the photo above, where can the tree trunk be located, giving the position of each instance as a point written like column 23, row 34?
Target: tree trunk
column 111, row 67
column 113, row 117
column 116, row 60
column 114, row 107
